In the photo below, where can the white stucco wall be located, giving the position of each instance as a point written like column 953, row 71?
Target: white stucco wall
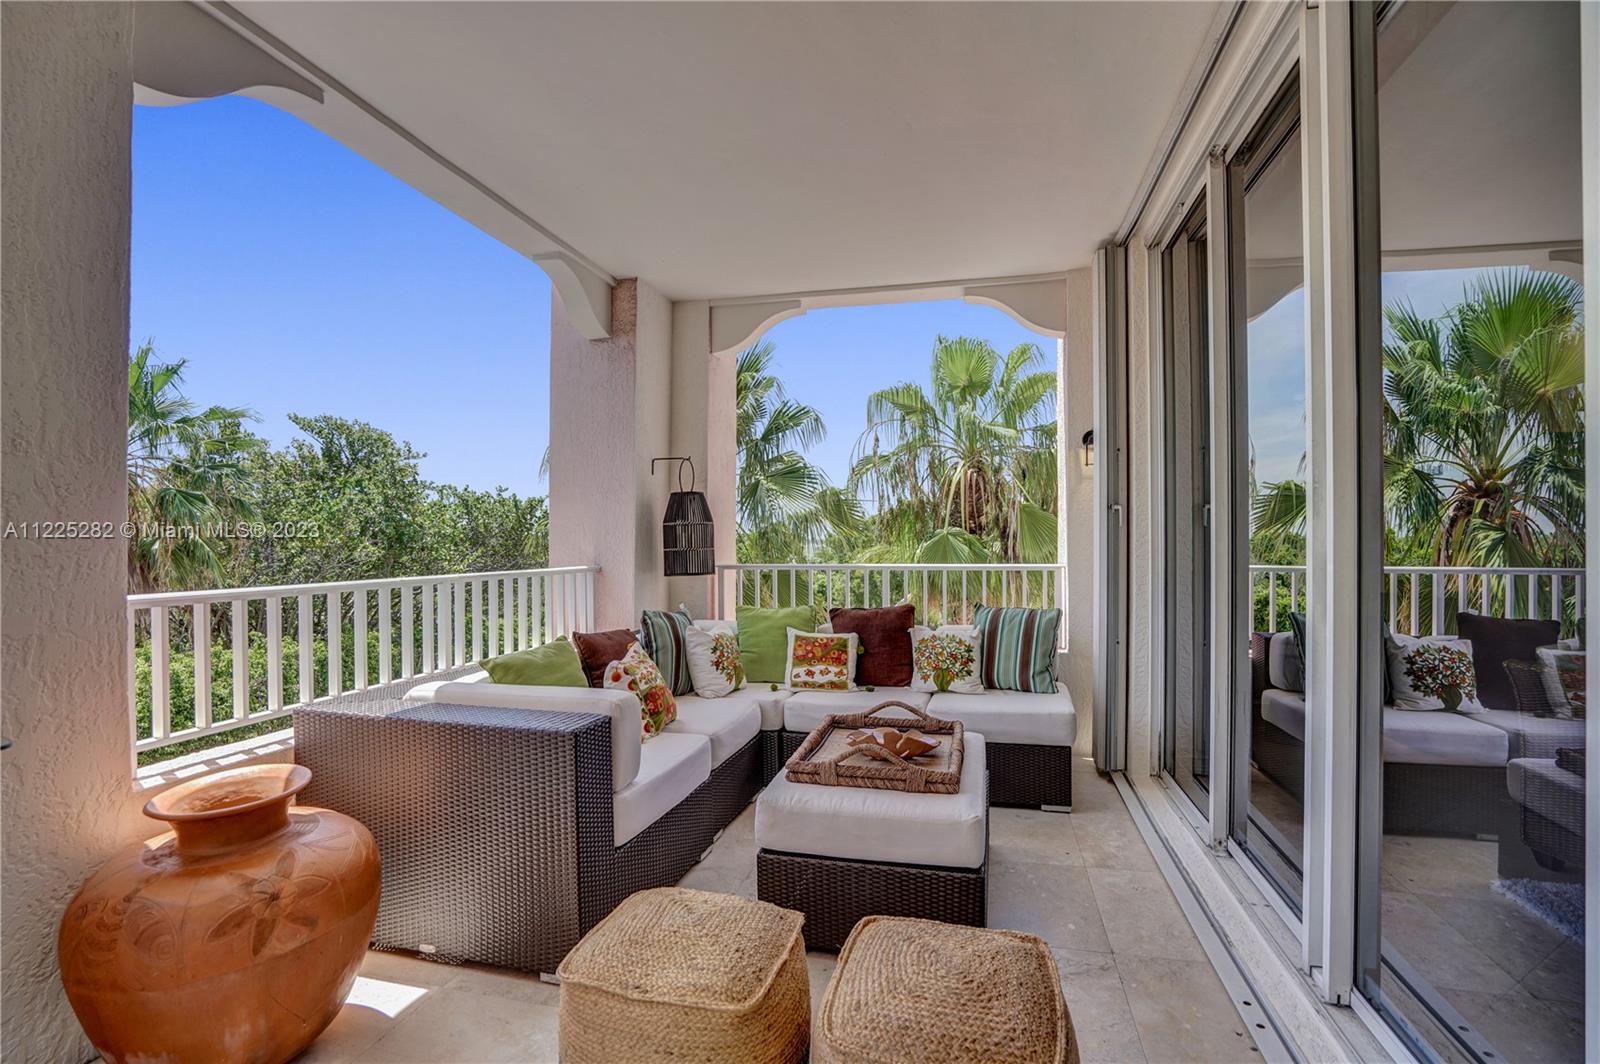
column 609, row 415
column 68, row 800
column 703, row 428
column 1076, row 392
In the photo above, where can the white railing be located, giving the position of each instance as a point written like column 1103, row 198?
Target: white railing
column 267, row 638
column 943, row 594
column 1420, row 599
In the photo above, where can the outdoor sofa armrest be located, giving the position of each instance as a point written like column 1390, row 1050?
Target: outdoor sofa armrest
column 622, row 707
column 480, row 815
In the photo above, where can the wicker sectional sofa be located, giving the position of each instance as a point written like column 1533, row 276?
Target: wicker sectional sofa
column 511, row 819
column 1445, row 774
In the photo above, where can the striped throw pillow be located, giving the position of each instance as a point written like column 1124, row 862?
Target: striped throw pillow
column 666, row 640
column 1017, row 648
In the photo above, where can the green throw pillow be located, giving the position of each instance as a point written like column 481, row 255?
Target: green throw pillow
column 764, row 640
column 555, row 664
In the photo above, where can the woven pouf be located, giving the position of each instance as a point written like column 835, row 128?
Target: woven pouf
column 913, row 991
column 687, row 975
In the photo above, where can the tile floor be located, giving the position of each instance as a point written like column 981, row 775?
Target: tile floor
column 1137, row 982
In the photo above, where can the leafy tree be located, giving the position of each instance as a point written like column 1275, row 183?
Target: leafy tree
column 349, row 498
column 187, row 477
column 965, row 471
column 1483, row 429
column 784, row 503
column 470, row 531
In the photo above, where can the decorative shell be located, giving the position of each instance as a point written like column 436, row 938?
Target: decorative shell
column 905, row 744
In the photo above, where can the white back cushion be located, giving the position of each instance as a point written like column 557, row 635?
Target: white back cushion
column 476, row 689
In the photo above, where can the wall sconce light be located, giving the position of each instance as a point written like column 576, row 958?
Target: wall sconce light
column 1088, row 448
column 686, row 530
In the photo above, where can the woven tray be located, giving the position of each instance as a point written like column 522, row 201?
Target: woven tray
column 827, row 758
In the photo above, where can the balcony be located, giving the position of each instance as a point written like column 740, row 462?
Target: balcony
column 1199, row 207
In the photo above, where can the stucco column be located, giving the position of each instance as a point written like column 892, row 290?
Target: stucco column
column 703, row 413
column 1075, row 414
column 67, row 779
column 610, row 412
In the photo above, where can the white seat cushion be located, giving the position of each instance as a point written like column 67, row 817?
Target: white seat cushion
column 1531, row 736
column 1013, row 716
column 1410, row 737
column 727, row 722
column 1286, row 709
column 671, row 766
column 804, row 710
column 760, row 695
column 949, row 830
column 476, row 689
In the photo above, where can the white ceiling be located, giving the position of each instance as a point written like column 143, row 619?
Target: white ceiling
column 722, row 150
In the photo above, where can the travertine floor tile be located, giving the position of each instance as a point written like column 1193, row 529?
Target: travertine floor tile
column 1098, row 1006
column 459, row 1025
column 1141, row 916
column 1054, row 902
column 1183, row 1013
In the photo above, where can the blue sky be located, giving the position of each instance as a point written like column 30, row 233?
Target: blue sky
column 296, row 277
column 1276, row 343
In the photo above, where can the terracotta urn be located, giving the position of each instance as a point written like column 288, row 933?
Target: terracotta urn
column 234, row 937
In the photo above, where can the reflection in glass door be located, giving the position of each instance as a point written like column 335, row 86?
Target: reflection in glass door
column 1471, row 884
column 1187, row 394
column 1267, row 439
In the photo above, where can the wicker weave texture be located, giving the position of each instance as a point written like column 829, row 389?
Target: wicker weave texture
column 913, row 991
column 835, row 893
column 662, row 853
column 687, row 975
column 495, row 825
column 1019, row 774
column 772, row 756
column 452, row 795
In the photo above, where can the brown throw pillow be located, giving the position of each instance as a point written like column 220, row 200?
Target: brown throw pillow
column 598, row 649
column 885, row 634
column 1497, row 640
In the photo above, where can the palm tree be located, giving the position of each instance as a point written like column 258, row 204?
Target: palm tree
column 784, row 502
column 186, row 478
column 968, row 468
column 1483, row 428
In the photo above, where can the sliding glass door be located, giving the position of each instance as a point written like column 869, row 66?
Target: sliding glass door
column 1267, row 448
column 1187, row 393
column 1471, row 887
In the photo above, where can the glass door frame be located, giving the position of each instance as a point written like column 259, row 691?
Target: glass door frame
column 1271, row 135
column 1191, row 240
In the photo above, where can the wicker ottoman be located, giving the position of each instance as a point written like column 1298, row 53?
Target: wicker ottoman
column 687, row 975
column 838, row 854
column 915, row 990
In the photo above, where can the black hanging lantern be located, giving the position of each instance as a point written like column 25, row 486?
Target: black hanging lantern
column 686, row 529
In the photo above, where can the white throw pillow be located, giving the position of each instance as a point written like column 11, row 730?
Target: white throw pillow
column 1419, row 667
column 821, row 661
column 945, row 659
column 714, row 665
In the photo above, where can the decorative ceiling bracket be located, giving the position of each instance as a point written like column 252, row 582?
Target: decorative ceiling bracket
column 1038, row 305
column 735, row 325
column 182, row 54
column 585, row 294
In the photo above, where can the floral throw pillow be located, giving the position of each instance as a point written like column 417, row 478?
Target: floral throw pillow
column 1433, row 673
column 636, row 672
column 821, row 661
column 714, row 662
column 945, row 659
